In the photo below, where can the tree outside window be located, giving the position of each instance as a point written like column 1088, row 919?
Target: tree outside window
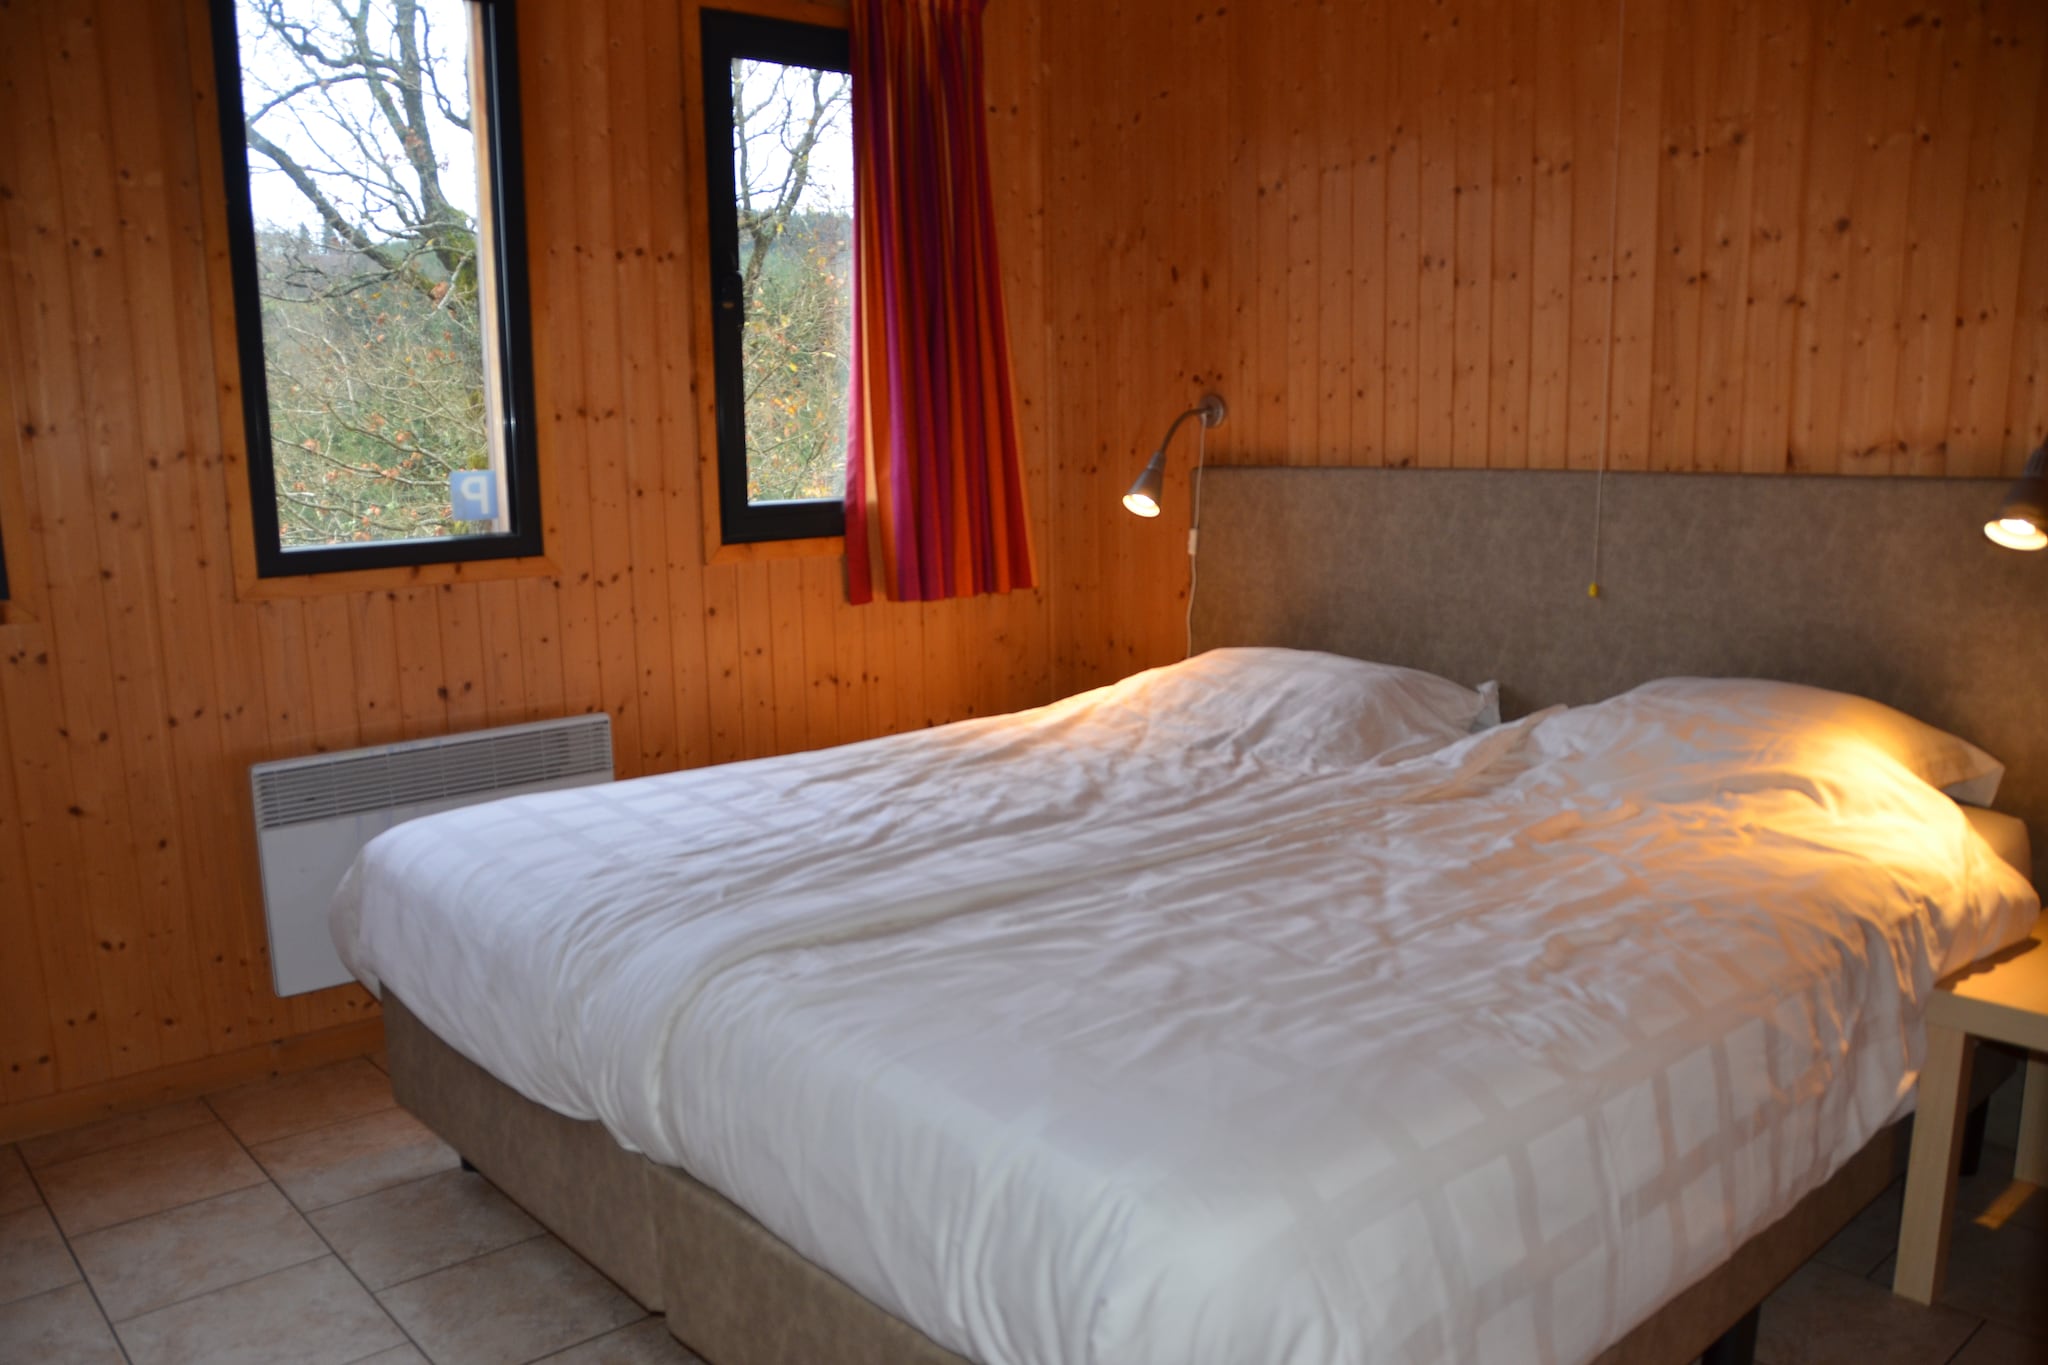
column 779, row 161
column 374, row 256
column 793, row 186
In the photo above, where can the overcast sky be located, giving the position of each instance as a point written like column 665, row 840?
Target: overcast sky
column 319, row 129
column 830, row 185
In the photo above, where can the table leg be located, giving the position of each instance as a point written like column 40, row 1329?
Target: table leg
column 1931, row 1171
column 2032, row 1165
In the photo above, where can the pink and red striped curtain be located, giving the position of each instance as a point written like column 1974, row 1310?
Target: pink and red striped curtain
column 934, row 479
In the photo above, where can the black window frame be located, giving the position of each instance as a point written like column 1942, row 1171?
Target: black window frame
column 520, row 432
column 724, row 35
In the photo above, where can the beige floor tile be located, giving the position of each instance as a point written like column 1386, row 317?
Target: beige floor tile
column 1825, row 1316
column 148, row 1177
column 410, row 1230
column 2001, row 1276
column 32, row 1255
column 511, row 1306
column 1871, row 1236
column 118, row 1131
column 407, row 1354
column 1995, row 1345
column 311, row 1314
column 1993, row 1198
column 268, row 1110
column 62, row 1327
column 17, row 1191
column 358, row 1157
column 2000, row 1202
column 644, row 1343
column 184, row 1252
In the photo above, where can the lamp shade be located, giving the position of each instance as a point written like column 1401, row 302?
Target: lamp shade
column 1143, row 499
column 2022, row 520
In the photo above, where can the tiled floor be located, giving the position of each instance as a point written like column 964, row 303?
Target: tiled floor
column 306, row 1219
column 309, row 1219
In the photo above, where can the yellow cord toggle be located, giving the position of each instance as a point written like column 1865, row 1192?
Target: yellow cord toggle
column 1592, row 590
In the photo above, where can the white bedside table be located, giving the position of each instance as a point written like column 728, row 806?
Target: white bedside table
column 2003, row 999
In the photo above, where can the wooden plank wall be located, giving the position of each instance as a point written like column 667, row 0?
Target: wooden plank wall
column 1383, row 232
column 135, row 688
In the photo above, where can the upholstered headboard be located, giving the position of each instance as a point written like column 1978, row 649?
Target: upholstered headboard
column 1883, row 587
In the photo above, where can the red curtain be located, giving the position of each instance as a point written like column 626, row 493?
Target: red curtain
column 934, row 479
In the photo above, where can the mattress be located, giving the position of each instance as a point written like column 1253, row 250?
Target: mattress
column 1098, row 1035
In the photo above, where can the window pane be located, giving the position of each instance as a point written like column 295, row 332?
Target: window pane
column 793, row 192
column 374, row 269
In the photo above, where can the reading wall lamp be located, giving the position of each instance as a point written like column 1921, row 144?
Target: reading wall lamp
column 2022, row 522
column 1143, row 499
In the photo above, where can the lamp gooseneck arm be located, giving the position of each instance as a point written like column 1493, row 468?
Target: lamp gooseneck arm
column 1210, row 410
column 1144, row 497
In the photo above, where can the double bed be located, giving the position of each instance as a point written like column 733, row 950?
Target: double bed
column 1275, row 1006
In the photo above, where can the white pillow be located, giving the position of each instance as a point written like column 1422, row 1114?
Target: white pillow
column 1938, row 758
column 1291, row 706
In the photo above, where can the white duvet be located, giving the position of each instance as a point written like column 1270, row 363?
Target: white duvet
column 1204, row 1025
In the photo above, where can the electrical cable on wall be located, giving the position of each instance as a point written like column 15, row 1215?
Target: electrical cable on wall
column 1613, row 279
column 1195, row 529
column 1144, row 498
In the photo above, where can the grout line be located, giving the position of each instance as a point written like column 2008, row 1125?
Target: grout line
column 171, row 1208
column 339, row 1259
column 1964, row 1344
column 361, row 1284
column 372, row 1194
column 203, row 1101
column 561, row 1351
column 218, row 1288
column 543, row 1234
column 190, row 1203
column 78, row 1265
column 215, row 1120
column 123, row 1145
column 645, row 1312
column 211, row 1121
column 452, row 1265
column 316, row 1128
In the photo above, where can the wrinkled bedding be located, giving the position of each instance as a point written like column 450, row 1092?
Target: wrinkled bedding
column 1277, row 1013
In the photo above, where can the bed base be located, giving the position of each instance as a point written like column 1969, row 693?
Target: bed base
column 737, row 1295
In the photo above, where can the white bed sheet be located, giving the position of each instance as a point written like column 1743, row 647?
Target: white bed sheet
column 1069, row 1048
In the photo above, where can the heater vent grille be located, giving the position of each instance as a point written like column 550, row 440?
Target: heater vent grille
column 300, row 791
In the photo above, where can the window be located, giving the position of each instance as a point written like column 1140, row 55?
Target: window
column 376, row 230
column 779, row 155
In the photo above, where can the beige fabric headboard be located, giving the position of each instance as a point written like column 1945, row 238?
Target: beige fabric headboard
column 1883, row 587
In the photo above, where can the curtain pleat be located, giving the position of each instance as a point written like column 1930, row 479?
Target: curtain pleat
column 934, row 475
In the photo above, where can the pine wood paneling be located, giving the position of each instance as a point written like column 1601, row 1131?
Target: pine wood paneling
column 1829, row 249
column 136, row 685
column 1381, row 231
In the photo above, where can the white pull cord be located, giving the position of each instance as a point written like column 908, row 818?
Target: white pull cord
column 1195, row 528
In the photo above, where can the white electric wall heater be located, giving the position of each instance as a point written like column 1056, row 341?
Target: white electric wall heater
column 313, row 815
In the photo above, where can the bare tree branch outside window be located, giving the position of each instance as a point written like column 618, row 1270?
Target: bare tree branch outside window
column 793, row 174
column 362, row 171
